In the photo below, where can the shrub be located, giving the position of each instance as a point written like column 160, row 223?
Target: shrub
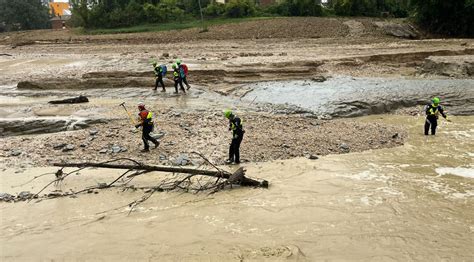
column 214, row 10
column 239, row 8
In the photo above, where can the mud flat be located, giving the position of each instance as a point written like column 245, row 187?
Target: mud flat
column 42, row 125
column 349, row 97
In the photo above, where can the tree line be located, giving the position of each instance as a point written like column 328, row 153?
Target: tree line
column 448, row 17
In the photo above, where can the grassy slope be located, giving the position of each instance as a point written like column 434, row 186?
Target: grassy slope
column 171, row 26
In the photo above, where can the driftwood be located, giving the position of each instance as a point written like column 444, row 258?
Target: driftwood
column 187, row 179
column 236, row 178
column 74, row 100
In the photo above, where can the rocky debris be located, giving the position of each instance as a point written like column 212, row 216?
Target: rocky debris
column 93, row 132
column 118, row 149
column 5, row 197
column 14, row 152
column 103, row 151
column 68, row 147
column 113, row 149
column 313, row 157
column 158, row 135
column 268, row 136
column 405, row 30
column 102, row 185
column 24, row 195
column 59, row 146
column 319, row 79
column 74, row 100
column 344, row 148
column 182, row 160
column 453, row 66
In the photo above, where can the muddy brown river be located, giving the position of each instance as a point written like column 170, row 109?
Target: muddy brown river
column 414, row 202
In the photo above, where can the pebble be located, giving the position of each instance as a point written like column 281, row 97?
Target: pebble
column 344, row 147
column 93, row 132
column 116, row 149
column 25, row 195
column 182, row 160
column 15, row 153
column 6, row 197
column 68, row 147
column 59, row 146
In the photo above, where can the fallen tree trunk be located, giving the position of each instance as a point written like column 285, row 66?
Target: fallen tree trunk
column 236, row 178
column 74, row 100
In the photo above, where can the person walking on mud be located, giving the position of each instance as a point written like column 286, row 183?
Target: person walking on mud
column 146, row 122
column 235, row 125
column 432, row 111
column 183, row 70
column 160, row 72
column 177, row 79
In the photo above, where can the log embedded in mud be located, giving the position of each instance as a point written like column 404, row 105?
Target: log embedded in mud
column 236, row 178
column 74, row 100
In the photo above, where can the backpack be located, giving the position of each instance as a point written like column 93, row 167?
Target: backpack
column 185, row 69
column 164, row 70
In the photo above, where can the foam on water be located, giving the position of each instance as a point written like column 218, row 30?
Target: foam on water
column 457, row 171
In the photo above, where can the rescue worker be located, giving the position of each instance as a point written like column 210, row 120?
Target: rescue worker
column 235, row 125
column 433, row 110
column 146, row 122
column 159, row 76
column 177, row 79
column 183, row 70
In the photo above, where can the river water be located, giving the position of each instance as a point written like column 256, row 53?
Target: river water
column 414, row 202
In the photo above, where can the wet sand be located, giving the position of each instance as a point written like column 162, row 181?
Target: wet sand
column 398, row 204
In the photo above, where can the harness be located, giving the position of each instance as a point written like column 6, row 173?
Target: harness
column 433, row 110
column 146, row 115
column 233, row 126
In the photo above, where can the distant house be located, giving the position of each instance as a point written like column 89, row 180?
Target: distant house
column 59, row 22
column 59, row 8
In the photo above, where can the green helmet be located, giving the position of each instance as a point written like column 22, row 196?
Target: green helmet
column 227, row 113
column 174, row 66
column 178, row 61
column 435, row 100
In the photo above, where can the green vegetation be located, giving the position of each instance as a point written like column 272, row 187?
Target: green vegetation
column 23, row 15
column 449, row 17
column 453, row 17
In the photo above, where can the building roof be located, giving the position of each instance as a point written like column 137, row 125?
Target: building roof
column 62, row 18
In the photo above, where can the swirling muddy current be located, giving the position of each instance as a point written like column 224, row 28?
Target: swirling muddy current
column 414, row 202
